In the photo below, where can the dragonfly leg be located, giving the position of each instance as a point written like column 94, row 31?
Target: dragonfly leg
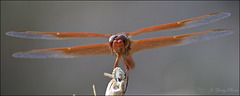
column 116, row 62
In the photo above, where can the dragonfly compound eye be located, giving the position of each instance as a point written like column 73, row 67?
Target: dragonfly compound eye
column 111, row 39
column 124, row 38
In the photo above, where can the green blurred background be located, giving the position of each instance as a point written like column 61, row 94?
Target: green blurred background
column 199, row 68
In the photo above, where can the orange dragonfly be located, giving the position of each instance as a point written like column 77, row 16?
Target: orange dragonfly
column 119, row 44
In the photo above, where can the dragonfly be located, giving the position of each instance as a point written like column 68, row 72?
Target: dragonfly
column 119, row 44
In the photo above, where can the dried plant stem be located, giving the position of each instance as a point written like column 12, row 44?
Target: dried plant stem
column 117, row 85
column 94, row 90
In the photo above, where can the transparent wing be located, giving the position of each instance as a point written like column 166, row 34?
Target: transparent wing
column 189, row 23
column 139, row 45
column 71, row 52
column 54, row 35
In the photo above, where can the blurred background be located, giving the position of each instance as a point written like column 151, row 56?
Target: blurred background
column 201, row 68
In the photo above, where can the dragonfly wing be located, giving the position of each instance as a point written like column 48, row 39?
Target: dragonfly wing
column 71, row 52
column 54, row 35
column 189, row 23
column 139, row 45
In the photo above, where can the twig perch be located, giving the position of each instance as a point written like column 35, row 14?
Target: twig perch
column 117, row 85
column 94, row 90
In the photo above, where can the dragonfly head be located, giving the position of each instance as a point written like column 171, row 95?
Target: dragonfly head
column 119, row 42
